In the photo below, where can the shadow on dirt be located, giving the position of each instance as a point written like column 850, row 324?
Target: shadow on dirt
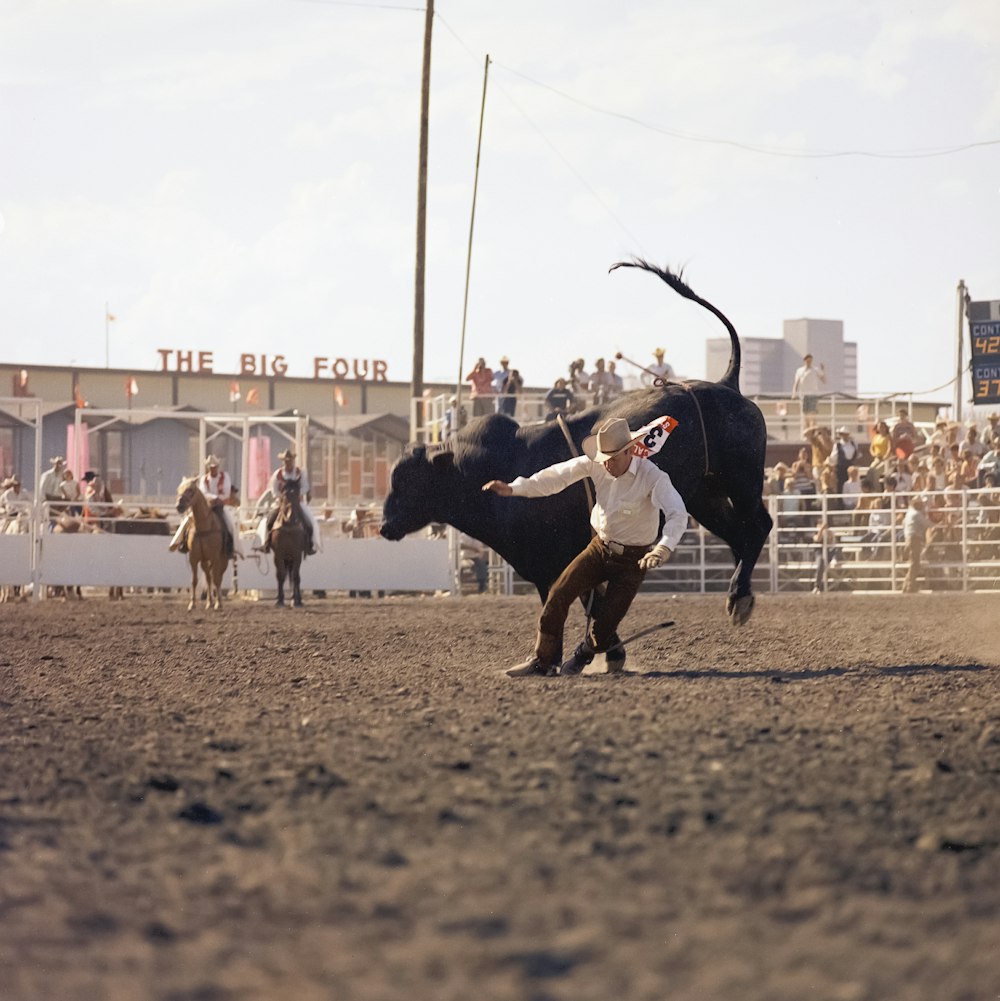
column 780, row 677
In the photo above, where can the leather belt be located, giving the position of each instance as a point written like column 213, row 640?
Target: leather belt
column 620, row 549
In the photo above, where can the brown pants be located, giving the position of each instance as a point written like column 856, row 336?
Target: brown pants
column 595, row 565
column 915, row 549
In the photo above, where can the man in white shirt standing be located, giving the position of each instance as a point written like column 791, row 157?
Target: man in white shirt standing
column 631, row 493
column 660, row 369
column 807, row 384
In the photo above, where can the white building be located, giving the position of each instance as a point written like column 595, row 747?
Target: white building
column 769, row 364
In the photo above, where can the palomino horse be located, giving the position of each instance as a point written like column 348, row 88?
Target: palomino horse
column 288, row 542
column 206, row 544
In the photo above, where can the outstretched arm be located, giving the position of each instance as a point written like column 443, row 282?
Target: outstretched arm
column 499, row 487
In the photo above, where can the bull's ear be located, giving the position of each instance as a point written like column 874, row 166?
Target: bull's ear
column 443, row 461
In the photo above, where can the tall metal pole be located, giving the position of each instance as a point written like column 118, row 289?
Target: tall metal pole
column 472, row 226
column 107, row 336
column 417, row 379
column 963, row 296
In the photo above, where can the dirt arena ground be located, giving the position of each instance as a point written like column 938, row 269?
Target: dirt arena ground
column 352, row 802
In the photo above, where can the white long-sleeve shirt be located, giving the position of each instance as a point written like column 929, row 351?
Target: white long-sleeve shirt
column 627, row 507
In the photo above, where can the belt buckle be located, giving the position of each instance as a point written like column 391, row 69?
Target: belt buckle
column 617, row 548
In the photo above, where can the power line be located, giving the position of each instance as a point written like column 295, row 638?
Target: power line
column 912, row 154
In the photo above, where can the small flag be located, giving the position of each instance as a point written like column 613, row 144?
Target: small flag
column 253, row 397
column 234, row 392
column 649, row 440
column 338, row 395
column 78, row 396
column 131, row 388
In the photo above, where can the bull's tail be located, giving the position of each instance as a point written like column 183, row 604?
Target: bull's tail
column 732, row 375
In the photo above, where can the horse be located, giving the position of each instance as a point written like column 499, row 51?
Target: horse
column 288, row 542
column 206, row 544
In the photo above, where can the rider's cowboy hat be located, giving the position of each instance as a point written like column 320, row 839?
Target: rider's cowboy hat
column 612, row 437
column 56, row 459
column 289, row 453
column 659, row 352
column 211, row 460
column 11, row 481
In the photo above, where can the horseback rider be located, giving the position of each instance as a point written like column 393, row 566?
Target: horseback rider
column 217, row 487
column 284, row 473
column 49, row 484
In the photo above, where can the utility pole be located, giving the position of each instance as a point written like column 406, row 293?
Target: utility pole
column 468, row 255
column 417, row 379
column 963, row 297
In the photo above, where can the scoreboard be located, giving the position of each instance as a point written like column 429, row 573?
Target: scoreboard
column 984, row 334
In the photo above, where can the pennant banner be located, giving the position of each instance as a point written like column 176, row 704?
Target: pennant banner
column 649, row 439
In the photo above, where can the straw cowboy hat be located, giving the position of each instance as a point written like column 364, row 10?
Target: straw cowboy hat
column 57, row 460
column 11, row 481
column 612, row 437
column 289, row 453
column 211, row 460
column 659, row 352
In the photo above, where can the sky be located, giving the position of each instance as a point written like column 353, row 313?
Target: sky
column 241, row 176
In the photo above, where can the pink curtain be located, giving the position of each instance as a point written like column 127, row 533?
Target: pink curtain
column 77, row 454
column 260, row 465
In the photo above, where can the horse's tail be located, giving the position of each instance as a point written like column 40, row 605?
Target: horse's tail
column 732, row 374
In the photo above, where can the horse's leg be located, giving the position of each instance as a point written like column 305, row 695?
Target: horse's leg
column 220, row 571
column 279, row 568
column 193, row 560
column 297, row 581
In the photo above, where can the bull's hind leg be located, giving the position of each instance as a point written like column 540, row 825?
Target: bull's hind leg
column 745, row 536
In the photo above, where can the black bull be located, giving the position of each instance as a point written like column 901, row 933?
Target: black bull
column 715, row 458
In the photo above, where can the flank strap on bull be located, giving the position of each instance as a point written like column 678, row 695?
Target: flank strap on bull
column 574, row 452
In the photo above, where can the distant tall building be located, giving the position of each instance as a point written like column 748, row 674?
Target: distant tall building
column 769, row 364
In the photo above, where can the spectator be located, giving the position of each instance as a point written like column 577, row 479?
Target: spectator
column 510, row 389
column 990, row 466
column 71, row 494
column 905, row 436
column 879, row 527
column 880, row 444
column 579, row 382
column 481, row 378
column 807, row 384
column 600, row 383
column 475, row 555
column 660, row 369
column 98, row 502
column 845, row 453
column 774, row 483
column 617, row 386
column 827, row 556
column 852, row 488
column 821, row 445
column 506, row 404
column 14, row 502
column 939, row 436
column 991, row 436
column 972, row 442
column 558, row 400
column 915, row 525
column 968, row 468
column 455, row 418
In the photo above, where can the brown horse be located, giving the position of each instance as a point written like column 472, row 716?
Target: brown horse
column 288, row 542
column 206, row 544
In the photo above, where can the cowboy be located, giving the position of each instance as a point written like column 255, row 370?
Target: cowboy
column 285, row 472
column 14, row 502
column 217, row 487
column 49, row 484
column 631, row 493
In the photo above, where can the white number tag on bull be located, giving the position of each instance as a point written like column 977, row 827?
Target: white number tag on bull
column 649, row 439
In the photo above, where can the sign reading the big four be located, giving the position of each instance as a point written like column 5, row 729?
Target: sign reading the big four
column 203, row 362
column 984, row 333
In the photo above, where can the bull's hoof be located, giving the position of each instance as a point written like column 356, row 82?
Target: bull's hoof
column 739, row 609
